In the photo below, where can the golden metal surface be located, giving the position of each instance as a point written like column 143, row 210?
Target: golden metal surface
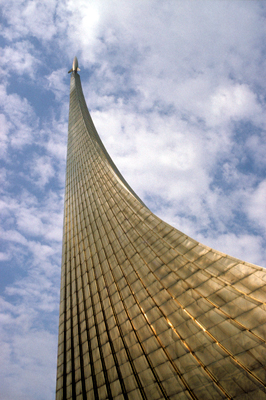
column 146, row 312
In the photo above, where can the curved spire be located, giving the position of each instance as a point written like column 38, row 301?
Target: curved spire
column 146, row 312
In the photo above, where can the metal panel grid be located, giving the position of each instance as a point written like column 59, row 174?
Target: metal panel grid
column 147, row 312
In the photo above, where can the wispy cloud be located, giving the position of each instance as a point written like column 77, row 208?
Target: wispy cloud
column 19, row 59
column 20, row 118
column 30, row 18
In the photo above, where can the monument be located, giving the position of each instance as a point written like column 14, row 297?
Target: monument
column 146, row 312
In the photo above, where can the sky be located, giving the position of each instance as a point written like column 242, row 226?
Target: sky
column 177, row 91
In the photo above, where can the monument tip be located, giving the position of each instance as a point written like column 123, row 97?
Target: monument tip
column 75, row 66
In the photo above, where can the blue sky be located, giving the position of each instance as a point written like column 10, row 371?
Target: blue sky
column 177, row 91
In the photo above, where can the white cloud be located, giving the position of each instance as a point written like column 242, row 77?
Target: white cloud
column 30, row 358
column 18, row 58
column 256, row 146
column 4, row 256
column 20, row 116
column 233, row 102
column 34, row 220
column 42, row 170
column 29, row 18
column 256, row 205
column 13, row 236
column 4, row 127
column 56, row 83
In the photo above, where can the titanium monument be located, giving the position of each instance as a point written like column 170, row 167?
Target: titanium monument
column 146, row 312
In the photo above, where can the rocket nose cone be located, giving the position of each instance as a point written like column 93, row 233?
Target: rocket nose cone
column 75, row 63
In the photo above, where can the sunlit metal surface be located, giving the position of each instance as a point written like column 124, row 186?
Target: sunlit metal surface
column 147, row 312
